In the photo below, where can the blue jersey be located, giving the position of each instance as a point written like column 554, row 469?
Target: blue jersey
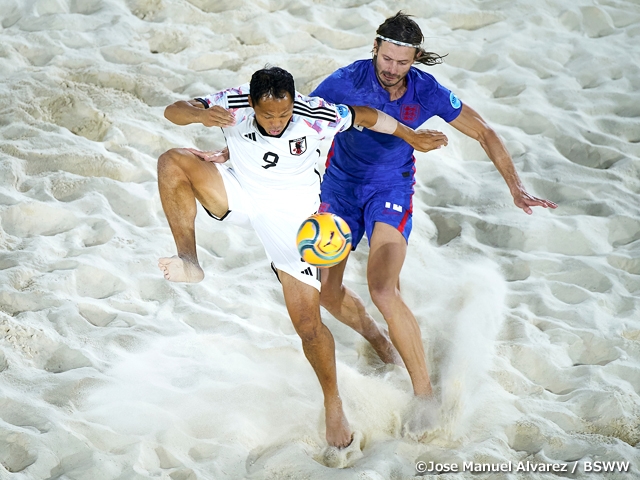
column 371, row 157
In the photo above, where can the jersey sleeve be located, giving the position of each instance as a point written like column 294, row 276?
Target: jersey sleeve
column 332, row 88
column 324, row 117
column 344, row 118
column 440, row 100
column 232, row 98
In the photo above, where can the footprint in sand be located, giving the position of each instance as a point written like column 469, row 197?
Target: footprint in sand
column 17, row 452
column 24, row 415
column 203, row 452
column 448, row 228
column 97, row 314
column 628, row 264
column 97, row 282
column 593, row 350
column 168, row 40
column 64, row 359
column 96, row 232
column 86, row 7
column 623, row 230
column 166, row 458
column 587, row 154
column 131, row 202
column 32, row 218
column 597, row 22
column 74, row 111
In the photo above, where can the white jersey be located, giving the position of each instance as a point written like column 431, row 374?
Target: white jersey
column 276, row 169
column 273, row 181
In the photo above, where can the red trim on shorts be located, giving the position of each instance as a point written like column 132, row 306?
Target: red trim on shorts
column 408, row 212
column 330, row 154
column 405, row 217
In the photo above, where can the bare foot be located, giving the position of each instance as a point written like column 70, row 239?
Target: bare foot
column 422, row 418
column 338, row 431
column 175, row 269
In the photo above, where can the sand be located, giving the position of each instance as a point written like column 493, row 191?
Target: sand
column 531, row 323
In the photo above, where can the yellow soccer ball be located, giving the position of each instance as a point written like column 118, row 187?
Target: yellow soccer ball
column 324, row 240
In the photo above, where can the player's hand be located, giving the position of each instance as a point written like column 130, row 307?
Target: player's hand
column 217, row 116
column 427, row 140
column 217, row 156
column 525, row 201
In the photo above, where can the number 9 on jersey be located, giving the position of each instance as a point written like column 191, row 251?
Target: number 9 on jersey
column 324, row 240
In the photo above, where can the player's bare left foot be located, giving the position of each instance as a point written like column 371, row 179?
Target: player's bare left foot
column 176, row 269
column 338, row 430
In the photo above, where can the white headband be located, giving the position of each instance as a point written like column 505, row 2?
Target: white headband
column 397, row 42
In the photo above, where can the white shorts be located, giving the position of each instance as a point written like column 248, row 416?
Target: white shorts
column 276, row 222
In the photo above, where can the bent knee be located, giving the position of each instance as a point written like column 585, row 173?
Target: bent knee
column 308, row 329
column 384, row 296
column 174, row 156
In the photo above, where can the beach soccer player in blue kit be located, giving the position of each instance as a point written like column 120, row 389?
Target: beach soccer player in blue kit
column 369, row 178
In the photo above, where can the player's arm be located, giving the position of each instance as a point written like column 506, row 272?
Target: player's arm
column 421, row 140
column 472, row 124
column 185, row 112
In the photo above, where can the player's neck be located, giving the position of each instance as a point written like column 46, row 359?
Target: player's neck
column 398, row 90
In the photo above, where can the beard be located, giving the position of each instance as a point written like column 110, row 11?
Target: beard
column 389, row 80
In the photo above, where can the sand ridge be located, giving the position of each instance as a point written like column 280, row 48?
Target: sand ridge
column 531, row 324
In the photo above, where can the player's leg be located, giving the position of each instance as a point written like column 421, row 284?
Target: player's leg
column 387, row 252
column 183, row 178
column 340, row 301
column 302, row 302
column 347, row 307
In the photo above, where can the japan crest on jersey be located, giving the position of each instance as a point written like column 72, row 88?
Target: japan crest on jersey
column 298, row 146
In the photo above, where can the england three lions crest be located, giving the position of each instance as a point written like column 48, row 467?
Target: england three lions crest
column 298, row 146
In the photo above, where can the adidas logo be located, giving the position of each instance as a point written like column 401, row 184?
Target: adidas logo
column 251, row 136
column 307, row 271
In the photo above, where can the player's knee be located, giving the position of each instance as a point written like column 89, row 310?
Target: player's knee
column 169, row 159
column 173, row 162
column 383, row 296
column 308, row 328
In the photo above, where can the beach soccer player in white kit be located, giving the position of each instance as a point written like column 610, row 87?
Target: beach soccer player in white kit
column 273, row 134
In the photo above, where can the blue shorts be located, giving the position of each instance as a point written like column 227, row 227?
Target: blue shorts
column 362, row 205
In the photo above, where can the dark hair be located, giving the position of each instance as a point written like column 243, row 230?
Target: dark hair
column 271, row 82
column 401, row 28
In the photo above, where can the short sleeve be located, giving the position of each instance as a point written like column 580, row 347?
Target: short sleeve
column 345, row 117
column 328, row 118
column 435, row 98
column 451, row 106
column 332, row 88
column 231, row 98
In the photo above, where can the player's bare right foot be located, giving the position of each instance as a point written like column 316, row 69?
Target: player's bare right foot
column 176, row 269
column 338, row 430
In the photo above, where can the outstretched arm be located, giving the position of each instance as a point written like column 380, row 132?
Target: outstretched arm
column 471, row 124
column 421, row 140
column 187, row 112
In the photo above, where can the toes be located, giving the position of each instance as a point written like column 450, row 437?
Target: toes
column 349, row 442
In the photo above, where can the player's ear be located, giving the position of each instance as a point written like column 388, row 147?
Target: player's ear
column 250, row 101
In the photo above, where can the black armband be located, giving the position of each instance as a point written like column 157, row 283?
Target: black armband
column 202, row 101
column 353, row 116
